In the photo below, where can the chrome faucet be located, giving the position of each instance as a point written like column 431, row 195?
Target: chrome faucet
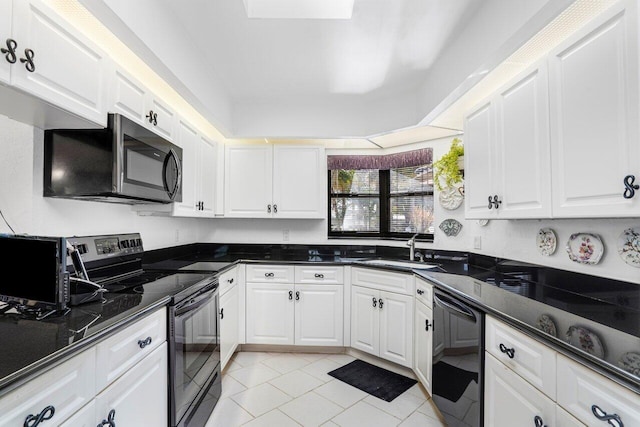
column 412, row 246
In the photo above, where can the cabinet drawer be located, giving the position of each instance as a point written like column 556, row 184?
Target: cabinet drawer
column 383, row 280
column 66, row 388
column 319, row 274
column 532, row 360
column 580, row 389
column 270, row 273
column 227, row 280
column 424, row 292
column 118, row 353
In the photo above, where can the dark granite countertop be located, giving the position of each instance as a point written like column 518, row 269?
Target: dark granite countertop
column 611, row 308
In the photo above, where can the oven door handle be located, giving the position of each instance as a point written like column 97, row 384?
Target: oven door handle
column 454, row 307
column 193, row 303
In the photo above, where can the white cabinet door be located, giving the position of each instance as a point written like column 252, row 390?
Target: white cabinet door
column 564, row 419
column 127, row 96
column 160, row 117
column 207, row 178
column 423, row 345
column 140, row 397
column 229, row 322
column 5, row 34
column 270, row 308
column 396, row 327
column 461, row 333
column 318, row 315
column 479, row 158
column 511, row 401
column 439, row 339
column 523, row 164
column 365, row 318
column 189, row 141
column 65, row 388
column 298, row 182
column 248, row 181
column 85, row 417
column 593, row 80
column 62, row 66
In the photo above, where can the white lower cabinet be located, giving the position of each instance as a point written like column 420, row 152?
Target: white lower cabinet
column 229, row 323
column 423, row 344
column 294, row 314
column 511, row 401
column 85, row 417
column 140, row 397
column 594, row 399
column 382, row 324
column 56, row 394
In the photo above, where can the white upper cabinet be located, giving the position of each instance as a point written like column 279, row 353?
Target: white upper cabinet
column 132, row 98
column 507, row 171
column 5, row 34
column 594, row 117
column 207, row 177
column 51, row 60
column 264, row 181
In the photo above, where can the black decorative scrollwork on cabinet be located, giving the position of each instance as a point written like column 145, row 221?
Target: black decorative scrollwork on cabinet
column 28, row 60
column 35, row 420
column 153, row 118
column 537, row 421
column 508, row 351
column 613, row 420
column 10, row 51
column 110, row 420
column 494, row 203
column 630, row 187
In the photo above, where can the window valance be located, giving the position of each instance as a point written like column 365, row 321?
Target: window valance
column 381, row 162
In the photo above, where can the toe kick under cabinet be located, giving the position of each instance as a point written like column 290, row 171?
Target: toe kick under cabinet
column 294, row 305
column 529, row 383
column 118, row 380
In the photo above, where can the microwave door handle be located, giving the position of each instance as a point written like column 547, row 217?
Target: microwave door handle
column 172, row 191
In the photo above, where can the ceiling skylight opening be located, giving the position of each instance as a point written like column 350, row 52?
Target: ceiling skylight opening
column 299, row 9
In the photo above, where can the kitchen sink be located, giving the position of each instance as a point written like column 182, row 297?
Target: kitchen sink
column 405, row 264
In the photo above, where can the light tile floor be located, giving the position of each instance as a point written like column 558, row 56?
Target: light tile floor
column 293, row 389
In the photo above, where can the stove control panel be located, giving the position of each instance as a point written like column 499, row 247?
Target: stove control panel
column 93, row 248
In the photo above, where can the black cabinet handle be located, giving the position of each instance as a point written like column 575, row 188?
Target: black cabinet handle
column 375, row 302
column 44, row 415
column 420, row 291
column 110, row 420
column 508, row 351
column 297, row 295
column 380, row 302
column 268, row 208
column 275, row 208
column 537, row 421
column 630, row 187
column 153, row 118
column 221, row 313
column 427, row 325
column 28, row 60
column 494, row 203
column 268, row 274
column 10, row 51
column 144, row 343
column 319, row 276
column 230, row 280
column 290, row 295
column 613, row 420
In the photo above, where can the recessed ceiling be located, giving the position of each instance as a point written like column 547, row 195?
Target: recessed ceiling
column 360, row 79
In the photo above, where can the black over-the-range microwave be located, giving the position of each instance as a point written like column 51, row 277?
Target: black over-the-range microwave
column 122, row 163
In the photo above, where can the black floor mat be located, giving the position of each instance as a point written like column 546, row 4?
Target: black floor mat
column 451, row 382
column 376, row 381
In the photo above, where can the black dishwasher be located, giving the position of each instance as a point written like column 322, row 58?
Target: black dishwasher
column 458, row 359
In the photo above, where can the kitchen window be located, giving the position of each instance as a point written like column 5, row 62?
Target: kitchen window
column 381, row 196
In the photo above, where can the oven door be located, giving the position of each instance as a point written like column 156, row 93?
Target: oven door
column 195, row 354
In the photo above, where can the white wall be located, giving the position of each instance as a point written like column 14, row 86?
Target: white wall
column 27, row 212
column 514, row 239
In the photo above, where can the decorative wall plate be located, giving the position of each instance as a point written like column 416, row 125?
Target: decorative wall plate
column 451, row 197
column 450, row 227
column 585, row 339
column 585, row 248
column 630, row 362
column 546, row 324
column 546, row 241
column 629, row 247
column 482, row 222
